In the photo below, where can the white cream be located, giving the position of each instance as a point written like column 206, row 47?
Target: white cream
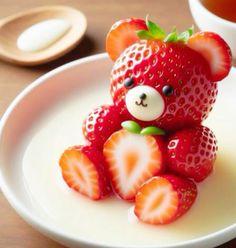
column 148, row 109
column 42, row 35
column 111, row 221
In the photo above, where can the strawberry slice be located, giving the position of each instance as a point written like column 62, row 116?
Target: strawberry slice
column 83, row 170
column 131, row 160
column 123, row 34
column 215, row 50
column 162, row 200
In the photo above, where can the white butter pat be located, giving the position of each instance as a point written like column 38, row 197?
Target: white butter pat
column 42, row 35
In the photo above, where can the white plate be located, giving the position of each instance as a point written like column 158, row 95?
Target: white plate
column 46, row 118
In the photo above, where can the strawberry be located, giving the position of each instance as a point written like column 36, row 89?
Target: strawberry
column 192, row 152
column 83, row 170
column 163, row 199
column 215, row 50
column 132, row 159
column 181, row 76
column 100, row 124
column 122, row 34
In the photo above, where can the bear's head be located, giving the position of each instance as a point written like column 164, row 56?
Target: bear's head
column 170, row 83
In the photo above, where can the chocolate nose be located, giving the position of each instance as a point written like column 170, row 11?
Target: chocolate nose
column 143, row 96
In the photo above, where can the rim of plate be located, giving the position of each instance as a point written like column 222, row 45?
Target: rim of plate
column 35, row 221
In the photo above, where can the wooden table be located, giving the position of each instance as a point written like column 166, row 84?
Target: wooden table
column 14, row 232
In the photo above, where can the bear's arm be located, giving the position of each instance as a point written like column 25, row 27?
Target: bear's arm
column 191, row 152
column 100, row 124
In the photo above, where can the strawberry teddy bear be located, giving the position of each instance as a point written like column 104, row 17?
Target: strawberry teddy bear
column 150, row 146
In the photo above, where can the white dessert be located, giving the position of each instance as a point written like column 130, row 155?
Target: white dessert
column 43, row 34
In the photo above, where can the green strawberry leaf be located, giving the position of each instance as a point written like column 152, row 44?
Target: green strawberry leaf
column 190, row 30
column 184, row 36
column 144, row 35
column 131, row 126
column 156, row 31
column 152, row 131
column 172, row 37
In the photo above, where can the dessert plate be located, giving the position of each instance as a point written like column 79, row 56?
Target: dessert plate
column 47, row 117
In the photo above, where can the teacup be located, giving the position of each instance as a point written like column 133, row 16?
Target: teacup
column 208, row 21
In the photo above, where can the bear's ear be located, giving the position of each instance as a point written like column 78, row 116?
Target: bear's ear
column 215, row 50
column 123, row 34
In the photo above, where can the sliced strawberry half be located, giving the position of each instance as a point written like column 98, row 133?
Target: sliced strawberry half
column 215, row 50
column 83, row 170
column 131, row 160
column 123, row 34
column 163, row 199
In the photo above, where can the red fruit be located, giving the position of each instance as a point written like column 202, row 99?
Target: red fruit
column 215, row 50
column 158, row 64
column 83, row 170
column 163, row 199
column 100, row 124
column 192, row 152
column 131, row 160
column 122, row 34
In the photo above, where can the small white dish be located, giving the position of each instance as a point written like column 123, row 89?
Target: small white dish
column 46, row 118
column 207, row 21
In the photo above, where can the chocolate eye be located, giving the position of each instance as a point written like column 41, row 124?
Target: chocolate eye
column 128, row 83
column 167, row 90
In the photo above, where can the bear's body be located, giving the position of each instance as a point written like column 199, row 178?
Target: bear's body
column 150, row 66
